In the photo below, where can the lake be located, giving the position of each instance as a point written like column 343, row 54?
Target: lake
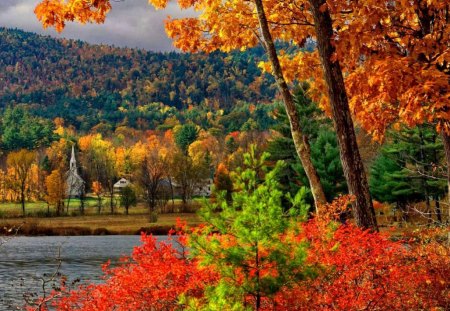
column 24, row 259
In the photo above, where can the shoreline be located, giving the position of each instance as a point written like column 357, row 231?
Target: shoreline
column 80, row 231
column 93, row 225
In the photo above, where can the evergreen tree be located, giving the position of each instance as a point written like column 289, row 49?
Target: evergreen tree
column 20, row 130
column 185, row 136
column 251, row 240
column 409, row 169
column 324, row 148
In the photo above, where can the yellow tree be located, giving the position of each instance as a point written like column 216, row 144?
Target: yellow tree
column 21, row 161
column 99, row 159
column 56, row 190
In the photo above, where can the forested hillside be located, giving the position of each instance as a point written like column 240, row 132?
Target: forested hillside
column 89, row 85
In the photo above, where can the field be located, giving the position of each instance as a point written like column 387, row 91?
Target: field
column 40, row 220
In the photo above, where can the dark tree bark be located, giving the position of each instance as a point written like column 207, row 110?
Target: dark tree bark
column 300, row 140
column 437, row 207
column 352, row 165
column 446, row 141
column 22, row 195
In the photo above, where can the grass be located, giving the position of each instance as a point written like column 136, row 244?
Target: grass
column 40, row 209
column 38, row 221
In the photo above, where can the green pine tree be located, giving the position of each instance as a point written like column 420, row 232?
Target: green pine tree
column 408, row 169
column 248, row 238
column 324, row 149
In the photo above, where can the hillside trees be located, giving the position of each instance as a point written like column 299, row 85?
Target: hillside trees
column 56, row 13
column 76, row 80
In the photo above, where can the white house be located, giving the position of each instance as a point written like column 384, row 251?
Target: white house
column 122, row 183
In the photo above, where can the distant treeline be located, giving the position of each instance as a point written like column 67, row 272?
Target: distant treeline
column 89, row 85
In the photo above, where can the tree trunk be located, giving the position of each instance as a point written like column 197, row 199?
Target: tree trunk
column 437, row 207
column 446, row 141
column 172, row 194
column 301, row 141
column 352, row 165
column 22, row 197
column 111, row 202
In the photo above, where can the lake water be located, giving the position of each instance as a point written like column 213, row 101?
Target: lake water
column 24, row 259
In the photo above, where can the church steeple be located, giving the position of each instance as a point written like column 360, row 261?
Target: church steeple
column 73, row 161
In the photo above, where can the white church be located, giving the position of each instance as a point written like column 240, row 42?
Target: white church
column 75, row 184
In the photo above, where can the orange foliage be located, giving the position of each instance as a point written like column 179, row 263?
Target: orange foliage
column 56, row 189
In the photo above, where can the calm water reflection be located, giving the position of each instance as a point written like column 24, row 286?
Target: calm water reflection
column 23, row 259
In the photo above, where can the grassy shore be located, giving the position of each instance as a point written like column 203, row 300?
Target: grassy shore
column 40, row 220
column 96, row 225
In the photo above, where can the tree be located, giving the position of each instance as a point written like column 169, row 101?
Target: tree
column 324, row 148
column 409, row 169
column 185, row 135
column 187, row 174
column 399, row 65
column 223, row 182
column 98, row 190
column 21, row 161
column 153, row 169
column 99, row 159
column 128, row 198
column 248, row 248
column 56, row 190
column 21, row 130
column 350, row 158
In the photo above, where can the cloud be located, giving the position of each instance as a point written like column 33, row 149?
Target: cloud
column 131, row 23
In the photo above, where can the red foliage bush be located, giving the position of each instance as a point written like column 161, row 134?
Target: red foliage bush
column 359, row 270
column 356, row 270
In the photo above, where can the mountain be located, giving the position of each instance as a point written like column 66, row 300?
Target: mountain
column 92, row 84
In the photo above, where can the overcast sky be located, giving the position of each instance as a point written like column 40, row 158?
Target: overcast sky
column 131, row 23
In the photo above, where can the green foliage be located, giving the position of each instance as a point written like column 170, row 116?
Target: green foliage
column 408, row 168
column 185, row 136
column 128, row 198
column 250, row 239
column 21, row 130
column 323, row 143
column 93, row 84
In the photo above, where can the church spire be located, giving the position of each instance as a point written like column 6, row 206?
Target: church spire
column 73, row 161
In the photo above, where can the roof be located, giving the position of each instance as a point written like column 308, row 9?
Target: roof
column 122, row 183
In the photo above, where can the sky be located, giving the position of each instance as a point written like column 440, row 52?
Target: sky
column 131, row 23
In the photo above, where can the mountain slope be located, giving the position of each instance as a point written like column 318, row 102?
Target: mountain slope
column 88, row 84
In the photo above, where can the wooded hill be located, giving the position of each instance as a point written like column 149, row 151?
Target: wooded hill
column 89, row 84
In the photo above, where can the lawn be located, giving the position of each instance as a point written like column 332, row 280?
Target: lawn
column 40, row 209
